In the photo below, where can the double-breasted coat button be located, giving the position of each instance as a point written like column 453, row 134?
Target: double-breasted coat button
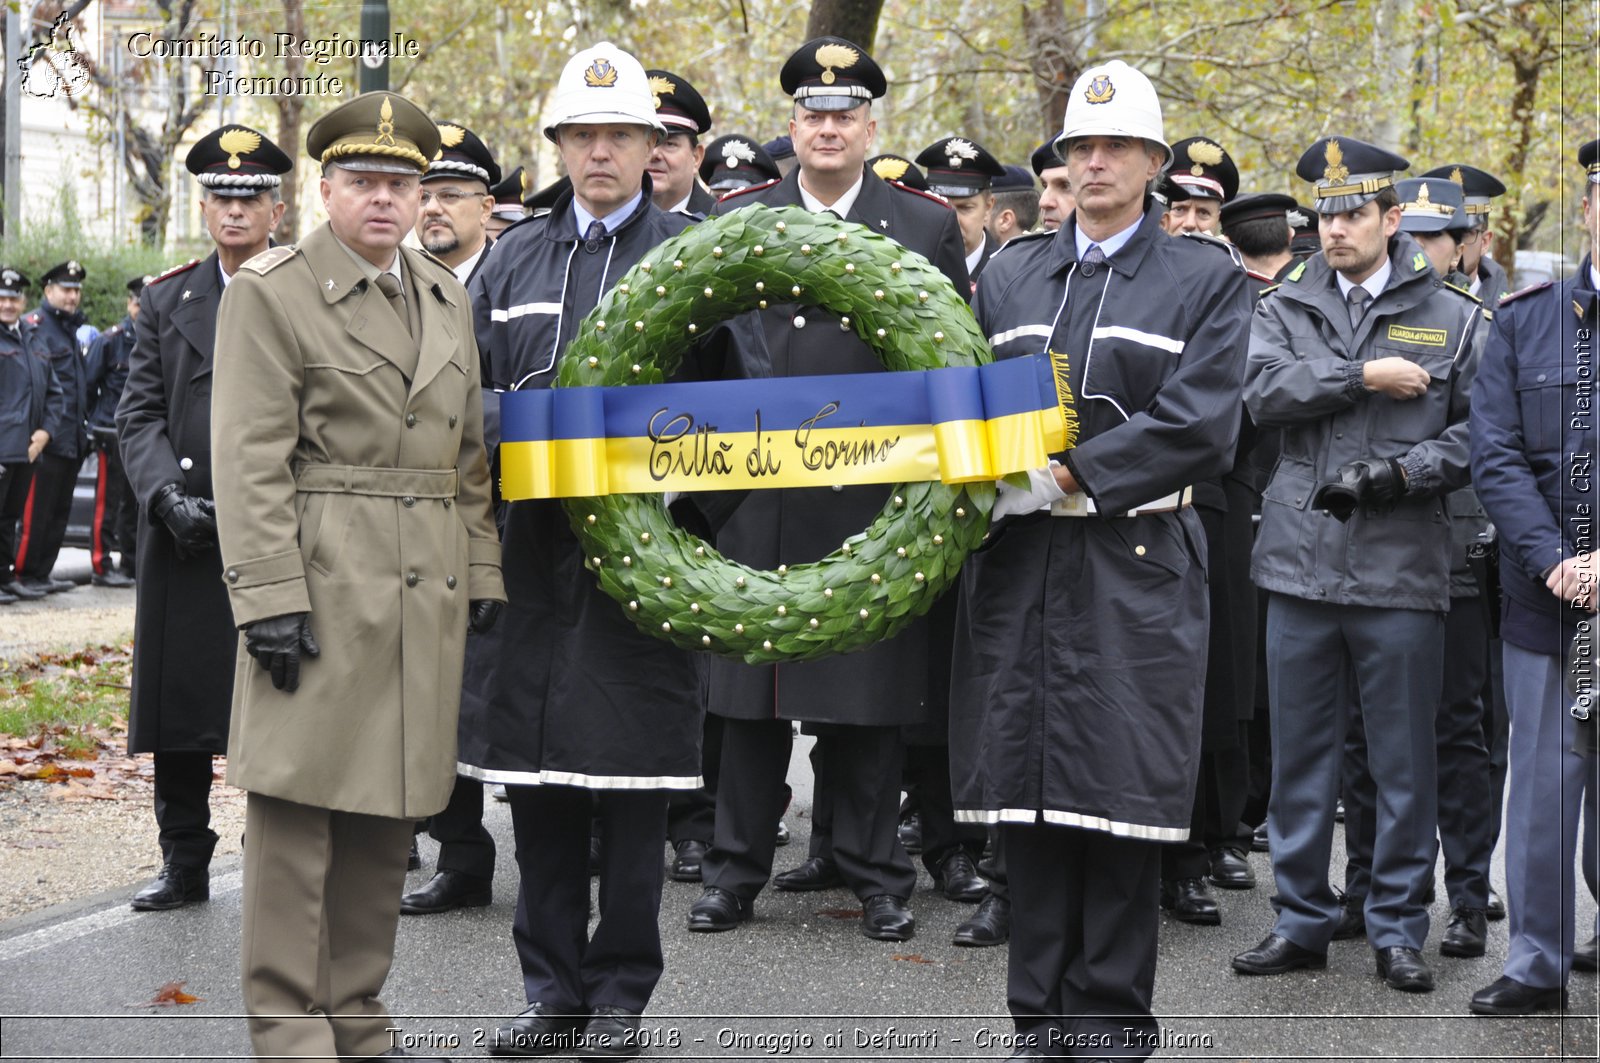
column 799, row 321
column 233, row 575
column 453, row 419
column 411, row 579
column 450, row 581
column 411, row 420
column 447, row 502
column 185, row 464
column 408, row 501
column 1139, row 550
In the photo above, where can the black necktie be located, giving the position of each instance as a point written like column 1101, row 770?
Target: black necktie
column 1358, row 297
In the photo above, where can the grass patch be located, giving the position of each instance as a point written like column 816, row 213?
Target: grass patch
column 72, row 696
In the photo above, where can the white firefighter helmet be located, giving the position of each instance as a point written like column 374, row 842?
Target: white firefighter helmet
column 602, row 85
column 1113, row 100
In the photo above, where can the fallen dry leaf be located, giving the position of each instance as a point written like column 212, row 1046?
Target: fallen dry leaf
column 9, row 767
column 912, row 957
column 842, row 913
column 168, row 996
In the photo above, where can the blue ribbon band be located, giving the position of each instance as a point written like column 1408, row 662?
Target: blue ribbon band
column 959, row 425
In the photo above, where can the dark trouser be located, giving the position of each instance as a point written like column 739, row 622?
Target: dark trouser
column 863, row 777
column 464, row 844
column 1084, row 910
column 1496, row 736
column 1219, row 798
column 562, row 966
column 44, row 515
column 320, row 906
column 183, row 808
column 993, row 869
column 1321, row 658
column 115, row 511
column 692, row 814
column 15, row 480
column 928, row 769
column 1465, row 809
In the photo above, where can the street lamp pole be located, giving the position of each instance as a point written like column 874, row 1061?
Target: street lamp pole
column 374, row 70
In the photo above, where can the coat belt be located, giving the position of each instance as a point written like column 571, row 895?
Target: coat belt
column 1079, row 504
column 385, row 483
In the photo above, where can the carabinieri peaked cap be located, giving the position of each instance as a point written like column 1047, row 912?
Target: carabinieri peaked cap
column 1015, row 179
column 678, row 104
column 1347, row 174
column 1204, row 168
column 1589, row 159
column 237, row 161
column 1044, row 158
column 735, row 161
column 68, row 274
column 832, row 74
column 381, row 131
column 12, row 281
column 1253, row 206
column 463, row 154
column 893, row 167
column 958, row 167
column 1431, row 205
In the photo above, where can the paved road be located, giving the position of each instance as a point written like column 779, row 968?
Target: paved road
column 798, row 983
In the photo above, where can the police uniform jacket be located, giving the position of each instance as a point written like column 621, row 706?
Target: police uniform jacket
column 351, row 482
column 567, row 690
column 1492, row 283
column 30, row 395
column 107, row 370
column 55, row 337
column 1081, row 645
column 885, row 684
column 1533, row 447
column 1305, row 375
column 183, row 631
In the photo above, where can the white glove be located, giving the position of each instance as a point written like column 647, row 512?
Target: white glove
column 1042, row 490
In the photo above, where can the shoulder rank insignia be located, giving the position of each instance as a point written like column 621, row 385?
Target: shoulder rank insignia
column 1462, row 291
column 270, row 259
column 1298, row 272
column 175, row 270
column 1419, row 262
column 1221, row 245
column 1268, row 290
column 1520, row 292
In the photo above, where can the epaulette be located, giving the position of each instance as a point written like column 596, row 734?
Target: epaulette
column 1207, row 238
column 1023, row 238
column 33, row 319
column 1519, row 293
column 175, row 270
column 1462, row 291
column 746, row 190
column 426, row 254
column 943, row 202
column 1268, row 290
column 270, row 259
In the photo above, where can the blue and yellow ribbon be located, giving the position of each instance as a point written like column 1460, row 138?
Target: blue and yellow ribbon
column 959, row 425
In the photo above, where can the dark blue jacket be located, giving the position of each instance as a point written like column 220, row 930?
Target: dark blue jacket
column 1534, row 442
column 107, row 372
column 55, row 337
column 30, row 395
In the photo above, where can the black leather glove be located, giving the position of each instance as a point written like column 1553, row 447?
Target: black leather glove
column 192, row 521
column 277, row 642
column 484, row 612
column 1376, row 481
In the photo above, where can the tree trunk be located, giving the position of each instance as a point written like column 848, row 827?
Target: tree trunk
column 1055, row 60
column 1507, row 222
column 290, row 109
column 1394, row 60
column 854, row 20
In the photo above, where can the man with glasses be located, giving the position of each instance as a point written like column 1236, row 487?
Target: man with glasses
column 456, row 201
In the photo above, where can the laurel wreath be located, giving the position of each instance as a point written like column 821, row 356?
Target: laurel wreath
column 676, row 586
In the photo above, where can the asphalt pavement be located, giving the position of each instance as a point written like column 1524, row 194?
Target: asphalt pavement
column 797, row 983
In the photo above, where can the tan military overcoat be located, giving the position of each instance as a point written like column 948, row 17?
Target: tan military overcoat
column 345, row 489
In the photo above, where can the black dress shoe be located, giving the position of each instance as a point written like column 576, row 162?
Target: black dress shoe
column 540, row 1030
column 54, row 586
column 1259, row 842
column 1278, row 955
column 1586, row 957
column 1404, row 969
column 783, row 837
column 7, row 599
column 612, row 1033
column 959, row 879
column 1496, row 910
column 1190, row 902
column 414, row 858
column 1507, row 996
column 817, row 873
column 718, row 910
column 686, row 858
column 22, row 592
column 447, row 890
column 1467, row 935
column 112, row 578
column 1230, row 870
column 988, row 926
column 886, row 918
column 1352, row 919
column 175, row 887
column 910, row 832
